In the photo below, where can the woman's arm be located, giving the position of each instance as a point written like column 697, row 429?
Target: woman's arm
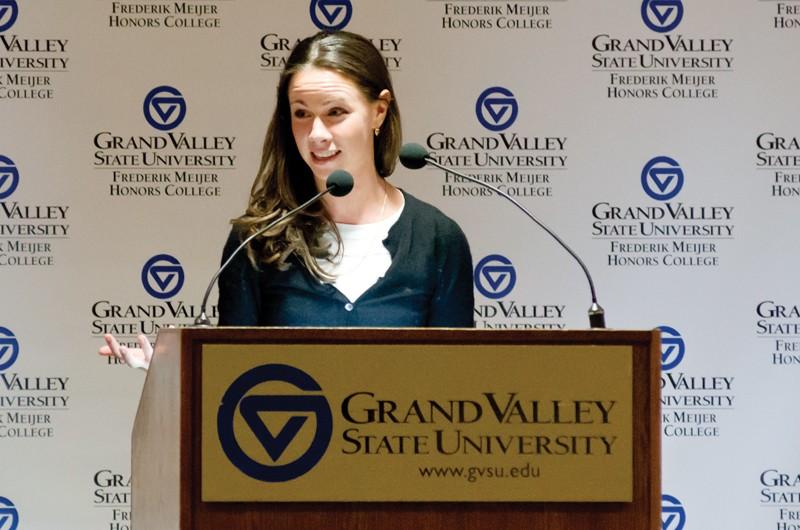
column 453, row 301
column 239, row 301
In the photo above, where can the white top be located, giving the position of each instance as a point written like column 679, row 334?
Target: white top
column 364, row 260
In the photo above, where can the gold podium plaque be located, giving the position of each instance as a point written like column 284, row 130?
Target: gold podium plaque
column 350, row 422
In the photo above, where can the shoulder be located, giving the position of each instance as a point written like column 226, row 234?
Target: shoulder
column 426, row 216
column 233, row 241
column 238, row 257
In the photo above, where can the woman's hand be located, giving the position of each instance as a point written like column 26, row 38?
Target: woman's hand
column 133, row 357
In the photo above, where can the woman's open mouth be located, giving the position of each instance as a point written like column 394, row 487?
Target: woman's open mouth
column 325, row 156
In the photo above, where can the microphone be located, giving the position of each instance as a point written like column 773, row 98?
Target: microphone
column 414, row 156
column 339, row 183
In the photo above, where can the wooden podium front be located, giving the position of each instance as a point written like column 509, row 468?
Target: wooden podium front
column 399, row 429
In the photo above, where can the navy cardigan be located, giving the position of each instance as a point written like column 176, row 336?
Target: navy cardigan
column 428, row 284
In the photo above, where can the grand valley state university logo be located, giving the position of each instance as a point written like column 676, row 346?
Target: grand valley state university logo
column 673, row 348
column 164, row 108
column 662, row 16
column 495, row 276
column 331, row 15
column 243, row 399
column 496, row 108
column 662, row 178
column 9, row 177
column 8, row 15
column 673, row 514
column 9, row 350
column 162, row 276
column 9, row 516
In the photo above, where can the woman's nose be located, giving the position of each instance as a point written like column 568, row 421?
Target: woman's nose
column 319, row 132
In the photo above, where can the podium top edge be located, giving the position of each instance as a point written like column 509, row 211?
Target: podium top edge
column 415, row 335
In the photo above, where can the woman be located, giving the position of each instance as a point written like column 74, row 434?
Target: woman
column 375, row 257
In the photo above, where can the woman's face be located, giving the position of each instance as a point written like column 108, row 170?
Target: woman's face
column 333, row 123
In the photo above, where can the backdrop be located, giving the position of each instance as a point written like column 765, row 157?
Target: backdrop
column 657, row 138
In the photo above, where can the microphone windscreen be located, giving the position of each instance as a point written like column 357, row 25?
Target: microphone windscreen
column 340, row 182
column 413, row 156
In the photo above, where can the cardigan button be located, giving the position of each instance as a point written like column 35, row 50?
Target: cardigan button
column 348, row 306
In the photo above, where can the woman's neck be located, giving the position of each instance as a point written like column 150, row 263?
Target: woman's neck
column 370, row 201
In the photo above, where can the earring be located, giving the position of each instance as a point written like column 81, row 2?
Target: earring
column 377, row 131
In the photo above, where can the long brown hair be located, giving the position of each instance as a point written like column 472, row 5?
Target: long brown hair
column 284, row 181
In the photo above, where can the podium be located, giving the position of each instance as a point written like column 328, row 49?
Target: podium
column 398, row 423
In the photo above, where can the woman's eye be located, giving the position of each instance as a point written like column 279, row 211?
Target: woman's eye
column 300, row 113
column 337, row 111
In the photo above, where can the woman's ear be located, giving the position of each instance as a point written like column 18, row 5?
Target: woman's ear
column 382, row 107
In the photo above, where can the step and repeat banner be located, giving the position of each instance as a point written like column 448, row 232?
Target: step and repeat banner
column 656, row 137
